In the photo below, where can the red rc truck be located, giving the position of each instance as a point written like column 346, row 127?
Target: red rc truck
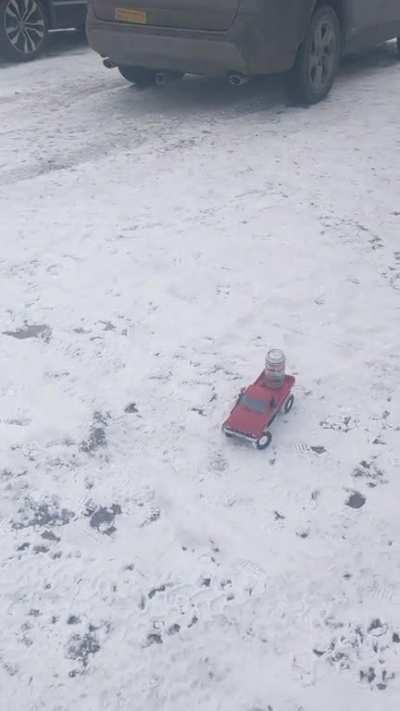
column 256, row 408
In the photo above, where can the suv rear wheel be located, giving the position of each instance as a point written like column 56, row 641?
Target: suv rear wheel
column 318, row 58
column 23, row 29
column 139, row 76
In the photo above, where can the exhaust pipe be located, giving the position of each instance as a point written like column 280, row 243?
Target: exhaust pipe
column 164, row 78
column 108, row 63
column 237, row 79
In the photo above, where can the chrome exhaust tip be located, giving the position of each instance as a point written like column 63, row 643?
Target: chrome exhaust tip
column 162, row 79
column 237, row 79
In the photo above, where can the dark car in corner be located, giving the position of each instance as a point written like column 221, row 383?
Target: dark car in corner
column 25, row 24
column 153, row 40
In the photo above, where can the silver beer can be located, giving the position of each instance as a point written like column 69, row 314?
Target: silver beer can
column 275, row 364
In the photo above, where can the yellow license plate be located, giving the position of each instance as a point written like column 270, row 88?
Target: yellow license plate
column 135, row 17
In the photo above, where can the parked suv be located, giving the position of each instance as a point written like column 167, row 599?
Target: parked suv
column 152, row 40
column 24, row 24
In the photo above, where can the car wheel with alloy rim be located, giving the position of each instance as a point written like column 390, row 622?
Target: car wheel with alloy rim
column 318, row 58
column 23, row 29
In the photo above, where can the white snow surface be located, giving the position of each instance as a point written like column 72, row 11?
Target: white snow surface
column 153, row 246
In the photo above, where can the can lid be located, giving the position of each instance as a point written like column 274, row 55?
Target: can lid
column 275, row 355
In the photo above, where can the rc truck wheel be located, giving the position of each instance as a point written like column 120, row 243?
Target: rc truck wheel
column 318, row 58
column 23, row 29
column 264, row 441
column 139, row 76
column 288, row 404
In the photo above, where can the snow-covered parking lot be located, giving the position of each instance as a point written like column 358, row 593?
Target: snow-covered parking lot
column 153, row 245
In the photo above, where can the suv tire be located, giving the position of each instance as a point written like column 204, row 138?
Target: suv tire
column 23, row 29
column 317, row 61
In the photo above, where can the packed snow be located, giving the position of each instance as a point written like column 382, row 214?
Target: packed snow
column 154, row 246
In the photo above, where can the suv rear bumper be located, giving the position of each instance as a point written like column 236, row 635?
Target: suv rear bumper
column 244, row 48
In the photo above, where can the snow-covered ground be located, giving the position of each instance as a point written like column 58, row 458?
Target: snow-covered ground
column 153, row 245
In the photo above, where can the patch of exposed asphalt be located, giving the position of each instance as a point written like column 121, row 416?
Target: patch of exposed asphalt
column 102, row 518
column 97, row 438
column 42, row 514
column 356, row 500
column 31, row 331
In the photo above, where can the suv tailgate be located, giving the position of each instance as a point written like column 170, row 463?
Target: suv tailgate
column 185, row 14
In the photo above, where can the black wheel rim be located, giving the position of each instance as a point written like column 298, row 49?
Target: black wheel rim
column 24, row 25
column 264, row 441
column 323, row 55
column 289, row 403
